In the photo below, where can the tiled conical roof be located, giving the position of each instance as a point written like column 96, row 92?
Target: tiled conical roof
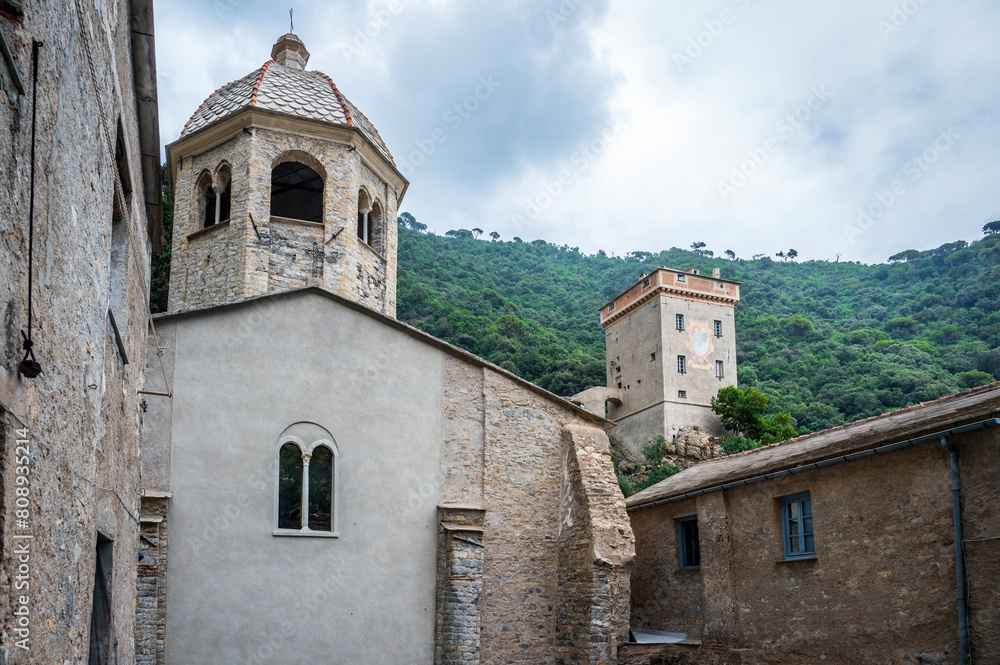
column 280, row 85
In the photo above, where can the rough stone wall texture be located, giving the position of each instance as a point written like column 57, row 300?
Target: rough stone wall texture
column 656, row 569
column 462, row 436
column 231, row 262
column 596, row 550
column 557, row 543
column 83, row 410
column 979, row 467
column 881, row 587
column 459, row 586
column 151, row 584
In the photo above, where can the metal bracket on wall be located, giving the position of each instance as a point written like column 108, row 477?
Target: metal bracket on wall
column 335, row 234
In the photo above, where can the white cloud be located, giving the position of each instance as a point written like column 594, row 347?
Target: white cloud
column 692, row 113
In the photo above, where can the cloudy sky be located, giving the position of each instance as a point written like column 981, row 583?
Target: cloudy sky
column 858, row 127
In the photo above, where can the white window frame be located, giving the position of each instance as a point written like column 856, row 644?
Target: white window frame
column 306, row 451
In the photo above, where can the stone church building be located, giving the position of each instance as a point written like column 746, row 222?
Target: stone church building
column 325, row 483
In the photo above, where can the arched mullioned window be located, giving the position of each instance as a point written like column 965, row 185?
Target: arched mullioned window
column 205, row 192
column 364, row 210
column 305, row 496
column 376, row 226
column 296, row 192
column 223, row 180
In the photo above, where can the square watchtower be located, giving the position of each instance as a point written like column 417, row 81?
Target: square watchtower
column 671, row 344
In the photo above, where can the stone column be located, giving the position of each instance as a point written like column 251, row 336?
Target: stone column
column 459, row 584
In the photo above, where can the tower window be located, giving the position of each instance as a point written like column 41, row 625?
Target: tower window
column 225, row 196
column 652, row 356
column 364, row 211
column 681, row 278
column 682, row 394
column 681, row 365
column 719, row 369
column 679, row 321
column 645, row 283
column 718, row 328
column 296, row 192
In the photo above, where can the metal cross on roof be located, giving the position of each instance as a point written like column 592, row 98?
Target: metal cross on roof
column 291, row 21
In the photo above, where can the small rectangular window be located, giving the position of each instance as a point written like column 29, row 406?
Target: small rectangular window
column 679, row 321
column 645, row 283
column 681, row 364
column 719, row 369
column 681, row 278
column 652, row 356
column 682, row 394
column 611, row 307
column 797, row 526
column 687, row 540
column 718, row 328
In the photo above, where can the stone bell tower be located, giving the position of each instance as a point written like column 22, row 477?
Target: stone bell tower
column 280, row 182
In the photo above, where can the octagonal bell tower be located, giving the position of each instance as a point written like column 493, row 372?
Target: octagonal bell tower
column 280, row 182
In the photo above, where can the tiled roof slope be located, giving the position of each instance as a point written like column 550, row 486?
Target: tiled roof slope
column 939, row 414
column 306, row 94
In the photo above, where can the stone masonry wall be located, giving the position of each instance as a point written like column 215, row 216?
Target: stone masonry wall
column 207, row 264
column 881, row 587
column 82, row 412
column 557, row 545
column 596, row 550
column 237, row 260
column 459, row 586
column 151, row 584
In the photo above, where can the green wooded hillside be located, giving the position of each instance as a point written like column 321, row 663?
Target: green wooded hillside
column 827, row 342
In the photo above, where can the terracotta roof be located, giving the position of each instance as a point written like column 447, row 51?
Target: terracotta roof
column 844, row 439
column 275, row 87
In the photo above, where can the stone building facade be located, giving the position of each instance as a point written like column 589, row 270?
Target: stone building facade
column 670, row 342
column 877, row 581
column 69, row 437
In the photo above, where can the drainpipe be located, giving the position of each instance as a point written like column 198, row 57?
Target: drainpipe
column 956, row 501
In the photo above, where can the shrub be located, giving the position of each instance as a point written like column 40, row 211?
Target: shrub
column 654, row 450
column 625, row 485
column 739, row 444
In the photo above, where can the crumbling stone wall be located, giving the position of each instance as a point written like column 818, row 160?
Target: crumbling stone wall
column 556, row 542
column 82, row 411
column 246, row 258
